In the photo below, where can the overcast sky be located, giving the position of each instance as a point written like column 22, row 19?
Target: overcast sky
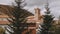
column 31, row 4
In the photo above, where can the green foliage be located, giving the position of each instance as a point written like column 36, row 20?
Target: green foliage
column 47, row 23
column 17, row 19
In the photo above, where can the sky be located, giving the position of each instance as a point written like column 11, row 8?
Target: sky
column 54, row 5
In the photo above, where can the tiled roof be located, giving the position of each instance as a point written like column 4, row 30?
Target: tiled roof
column 4, row 11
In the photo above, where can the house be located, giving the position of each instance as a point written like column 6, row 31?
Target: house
column 37, row 19
column 33, row 21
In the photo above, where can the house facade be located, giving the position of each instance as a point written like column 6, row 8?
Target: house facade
column 37, row 19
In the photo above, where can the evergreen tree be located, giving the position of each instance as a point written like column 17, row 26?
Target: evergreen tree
column 47, row 21
column 17, row 19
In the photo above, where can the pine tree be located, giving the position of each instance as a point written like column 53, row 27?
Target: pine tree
column 17, row 19
column 47, row 23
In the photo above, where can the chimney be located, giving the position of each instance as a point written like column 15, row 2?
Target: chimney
column 37, row 13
